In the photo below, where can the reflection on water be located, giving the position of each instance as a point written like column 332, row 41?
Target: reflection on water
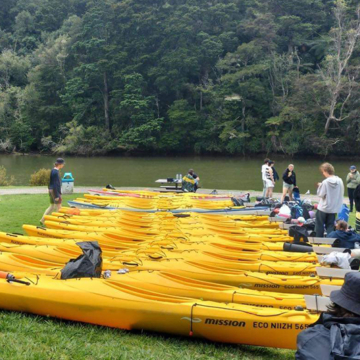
column 214, row 172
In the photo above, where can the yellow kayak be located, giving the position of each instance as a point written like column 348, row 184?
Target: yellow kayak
column 114, row 304
column 44, row 236
column 187, row 222
column 110, row 236
column 168, row 283
column 184, row 218
column 77, row 225
column 63, row 253
column 205, row 272
column 155, row 259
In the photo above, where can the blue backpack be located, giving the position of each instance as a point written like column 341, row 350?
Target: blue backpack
column 296, row 194
column 296, row 211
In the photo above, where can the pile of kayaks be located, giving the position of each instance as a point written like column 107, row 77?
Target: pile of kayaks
column 221, row 277
column 149, row 201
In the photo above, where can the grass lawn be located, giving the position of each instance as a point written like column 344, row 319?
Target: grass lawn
column 25, row 336
column 352, row 219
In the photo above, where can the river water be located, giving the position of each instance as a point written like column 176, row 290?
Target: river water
column 214, row 172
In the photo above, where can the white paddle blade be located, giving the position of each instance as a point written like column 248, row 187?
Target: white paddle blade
column 326, row 250
column 317, row 303
column 333, row 273
column 319, row 240
column 327, row 289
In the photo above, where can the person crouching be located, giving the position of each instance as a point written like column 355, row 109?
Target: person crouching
column 336, row 335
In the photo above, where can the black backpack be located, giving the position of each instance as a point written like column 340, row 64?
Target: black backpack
column 87, row 265
column 299, row 233
column 306, row 214
column 237, row 202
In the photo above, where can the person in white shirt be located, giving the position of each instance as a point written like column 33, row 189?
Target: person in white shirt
column 267, row 178
column 264, row 170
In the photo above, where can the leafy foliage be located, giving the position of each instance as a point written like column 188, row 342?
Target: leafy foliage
column 5, row 180
column 231, row 77
column 40, row 177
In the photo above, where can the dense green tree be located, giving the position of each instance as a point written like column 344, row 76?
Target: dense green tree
column 182, row 76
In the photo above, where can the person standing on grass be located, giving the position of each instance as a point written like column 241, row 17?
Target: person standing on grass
column 331, row 193
column 357, row 208
column 289, row 182
column 54, row 189
column 270, row 180
column 264, row 170
column 352, row 181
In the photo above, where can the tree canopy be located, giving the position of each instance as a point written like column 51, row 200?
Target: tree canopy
column 180, row 76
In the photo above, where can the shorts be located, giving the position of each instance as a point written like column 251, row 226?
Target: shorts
column 52, row 198
column 288, row 186
column 269, row 183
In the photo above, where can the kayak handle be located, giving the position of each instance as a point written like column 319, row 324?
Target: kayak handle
column 18, row 281
column 11, row 278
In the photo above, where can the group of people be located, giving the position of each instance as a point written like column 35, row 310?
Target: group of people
column 330, row 192
column 270, row 176
column 336, row 335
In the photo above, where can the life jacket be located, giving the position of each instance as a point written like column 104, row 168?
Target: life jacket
column 188, row 183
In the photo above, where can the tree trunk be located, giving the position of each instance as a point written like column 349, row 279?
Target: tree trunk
column 243, row 119
column 327, row 125
column 106, row 103
column 157, row 106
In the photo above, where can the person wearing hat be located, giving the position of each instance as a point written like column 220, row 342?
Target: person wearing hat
column 54, row 189
column 352, row 181
column 336, row 335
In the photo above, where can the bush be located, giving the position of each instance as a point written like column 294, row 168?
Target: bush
column 40, row 177
column 4, row 179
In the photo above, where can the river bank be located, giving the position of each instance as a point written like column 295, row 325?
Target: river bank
column 216, row 172
column 256, row 156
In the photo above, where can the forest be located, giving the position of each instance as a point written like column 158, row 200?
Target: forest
column 92, row 77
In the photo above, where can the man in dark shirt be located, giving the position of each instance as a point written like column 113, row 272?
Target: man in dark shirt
column 54, row 189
